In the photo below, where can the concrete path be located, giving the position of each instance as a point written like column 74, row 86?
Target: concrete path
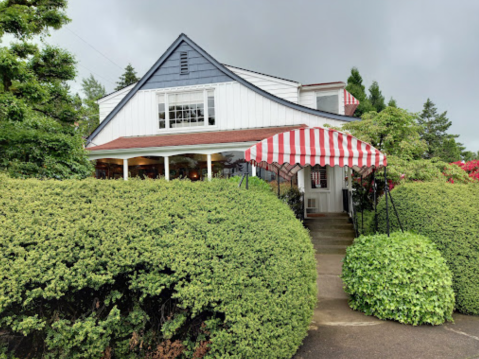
column 337, row 332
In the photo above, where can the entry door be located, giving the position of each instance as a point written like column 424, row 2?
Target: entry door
column 317, row 190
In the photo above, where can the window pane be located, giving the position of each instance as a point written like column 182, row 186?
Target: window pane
column 319, row 177
column 211, row 102
column 161, row 107
column 328, row 103
column 162, row 124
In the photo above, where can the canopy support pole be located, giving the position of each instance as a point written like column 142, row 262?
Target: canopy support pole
column 386, row 189
column 362, row 208
column 395, row 211
column 279, row 189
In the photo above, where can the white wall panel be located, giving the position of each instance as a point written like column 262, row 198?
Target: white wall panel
column 278, row 87
column 237, row 107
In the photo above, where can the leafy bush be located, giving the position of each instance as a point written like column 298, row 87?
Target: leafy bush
column 402, row 277
column 92, row 269
column 448, row 214
column 291, row 195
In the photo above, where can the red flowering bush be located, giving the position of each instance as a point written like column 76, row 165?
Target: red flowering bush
column 471, row 167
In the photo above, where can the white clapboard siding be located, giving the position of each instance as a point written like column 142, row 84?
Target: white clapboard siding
column 285, row 89
column 108, row 103
column 237, row 107
column 308, row 99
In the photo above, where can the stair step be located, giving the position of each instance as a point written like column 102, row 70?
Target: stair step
column 326, row 220
column 341, row 241
column 335, row 233
column 331, row 286
column 327, row 215
column 330, row 249
column 328, row 225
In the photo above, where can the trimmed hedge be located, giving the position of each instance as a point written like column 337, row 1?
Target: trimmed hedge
column 448, row 214
column 402, row 278
column 151, row 269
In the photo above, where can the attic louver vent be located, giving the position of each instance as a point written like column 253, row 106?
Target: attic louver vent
column 184, row 63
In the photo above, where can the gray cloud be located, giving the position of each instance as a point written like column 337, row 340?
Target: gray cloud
column 414, row 49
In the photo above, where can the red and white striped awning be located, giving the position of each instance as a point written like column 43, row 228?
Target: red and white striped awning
column 350, row 104
column 290, row 151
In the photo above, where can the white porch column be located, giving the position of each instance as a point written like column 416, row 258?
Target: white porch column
column 167, row 168
column 350, row 180
column 125, row 170
column 210, row 172
column 253, row 171
column 301, row 180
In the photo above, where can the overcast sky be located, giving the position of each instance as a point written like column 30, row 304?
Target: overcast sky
column 414, row 49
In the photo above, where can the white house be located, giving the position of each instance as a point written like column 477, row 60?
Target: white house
column 192, row 116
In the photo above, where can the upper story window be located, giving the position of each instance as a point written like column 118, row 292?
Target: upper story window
column 328, row 101
column 319, row 177
column 187, row 109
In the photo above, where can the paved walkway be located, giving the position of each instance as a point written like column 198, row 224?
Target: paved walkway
column 337, row 332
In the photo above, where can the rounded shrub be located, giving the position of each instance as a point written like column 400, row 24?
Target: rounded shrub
column 402, row 277
column 152, row 269
column 448, row 214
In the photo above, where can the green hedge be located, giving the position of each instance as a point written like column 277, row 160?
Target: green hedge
column 92, row 269
column 402, row 278
column 448, row 214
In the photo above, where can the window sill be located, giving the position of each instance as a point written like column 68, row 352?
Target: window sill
column 188, row 129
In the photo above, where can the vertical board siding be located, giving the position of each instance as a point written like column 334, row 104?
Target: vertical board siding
column 200, row 71
column 237, row 107
column 108, row 103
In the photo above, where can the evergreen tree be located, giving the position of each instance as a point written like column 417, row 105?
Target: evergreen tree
column 434, row 132
column 376, row 98
column 128, row 78
column 93, row 91
column 356, row 88
column 392, row 103
column 38, row 137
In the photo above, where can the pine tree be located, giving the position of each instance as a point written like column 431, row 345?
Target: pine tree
column 392, row 103
column 376, row 98
column 434, row 132
column 356, row 88
column 128, row 78
column 93, row 91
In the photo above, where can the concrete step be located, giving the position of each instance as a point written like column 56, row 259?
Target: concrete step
column 330, row 249
column 330, row 286
column 335, row 233
column 342, row 241
column 326, row 220
column 328, row 225
column 314, row 216
column 329, row 263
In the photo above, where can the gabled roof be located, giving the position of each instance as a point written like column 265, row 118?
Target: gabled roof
column 223, row 69
column 194, row 138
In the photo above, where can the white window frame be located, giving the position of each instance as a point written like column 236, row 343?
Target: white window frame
column 165, row 96
column 328, row 179
column 328, row 93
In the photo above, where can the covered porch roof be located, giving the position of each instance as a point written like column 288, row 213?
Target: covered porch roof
column 193, row 138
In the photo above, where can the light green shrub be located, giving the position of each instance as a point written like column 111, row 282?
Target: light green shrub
column 402, row 278
column 448, row 214
column 95, row 268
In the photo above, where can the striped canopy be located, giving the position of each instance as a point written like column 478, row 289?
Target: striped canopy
column 350, row 103
column 290, row 151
